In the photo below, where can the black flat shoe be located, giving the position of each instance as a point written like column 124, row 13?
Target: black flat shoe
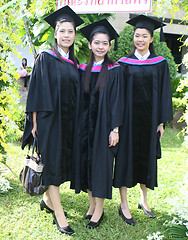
column 129, row 221
column 87, row 216
column 44, row 206
column 66, row 230
column 91, row 224
column 150, row 214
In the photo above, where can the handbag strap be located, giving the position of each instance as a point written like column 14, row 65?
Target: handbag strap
column 35, row 146
column 34, row 143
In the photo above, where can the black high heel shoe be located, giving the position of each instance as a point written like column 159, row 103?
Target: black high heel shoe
column 48, row 210
column 91, row 224
column 129, row 221
column 44, row 206
column 150, row 214
column 87, row 216
column 66, row 230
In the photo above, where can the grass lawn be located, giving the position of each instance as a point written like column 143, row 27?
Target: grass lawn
column 21, row 218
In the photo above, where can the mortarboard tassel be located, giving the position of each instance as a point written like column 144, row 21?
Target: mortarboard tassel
column 162, row 38
column 115, row 43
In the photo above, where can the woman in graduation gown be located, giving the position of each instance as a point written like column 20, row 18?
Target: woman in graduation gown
column 100, row 112
column 50, row 109
column 149, row 106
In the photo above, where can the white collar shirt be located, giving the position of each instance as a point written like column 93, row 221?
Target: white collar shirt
column 140, row 57
column 98, row 63
column 63, row 54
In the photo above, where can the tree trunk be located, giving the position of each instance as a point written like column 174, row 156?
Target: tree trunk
column 25, row 20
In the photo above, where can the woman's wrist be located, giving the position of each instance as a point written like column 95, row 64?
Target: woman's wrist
column 34, row 118
column 116, row 130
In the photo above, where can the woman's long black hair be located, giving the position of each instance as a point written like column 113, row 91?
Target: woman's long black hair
column 71, row 48
column 151, row 46
column 25, row 62
column 104, row 70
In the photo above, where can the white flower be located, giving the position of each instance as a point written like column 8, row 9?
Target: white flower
column 155, row 236
column 180, row 202
column 185, row 60
column 4, row 184
column 186, row 224
column 150, row 237
column 186, row 42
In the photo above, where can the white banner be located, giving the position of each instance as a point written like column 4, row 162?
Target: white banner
column 106, row 6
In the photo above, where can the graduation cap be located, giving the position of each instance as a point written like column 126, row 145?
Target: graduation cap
column 148, row 23
column 101, row 26
column 63, row 13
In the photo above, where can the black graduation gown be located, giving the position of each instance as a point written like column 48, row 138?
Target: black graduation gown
column 148, row 103
column 99, row 112
column 52, row 94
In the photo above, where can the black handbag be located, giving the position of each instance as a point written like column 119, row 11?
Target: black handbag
column 31, row 174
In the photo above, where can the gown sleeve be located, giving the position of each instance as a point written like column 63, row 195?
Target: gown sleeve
column 117, row 99
column 166, row 113
column 39, row 96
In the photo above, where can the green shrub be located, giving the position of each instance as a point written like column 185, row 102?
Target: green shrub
column 162, row 50
column 179, row 104
column 9, row 98
column 175, row 82
column 21, row 117
column 125, row 46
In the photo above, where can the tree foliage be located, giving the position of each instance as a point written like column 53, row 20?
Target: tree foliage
column 161, row 7
column 9, row 113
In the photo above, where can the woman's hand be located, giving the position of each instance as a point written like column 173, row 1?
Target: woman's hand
column 113, row 138
column 34, row 130
column 160, row 129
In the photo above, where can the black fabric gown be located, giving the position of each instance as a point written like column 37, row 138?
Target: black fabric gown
column 99, row 112
column 52, row 94
column 148, row 103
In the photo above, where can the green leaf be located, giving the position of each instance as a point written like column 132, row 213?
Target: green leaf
column 39, row 28
column 7, row 5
